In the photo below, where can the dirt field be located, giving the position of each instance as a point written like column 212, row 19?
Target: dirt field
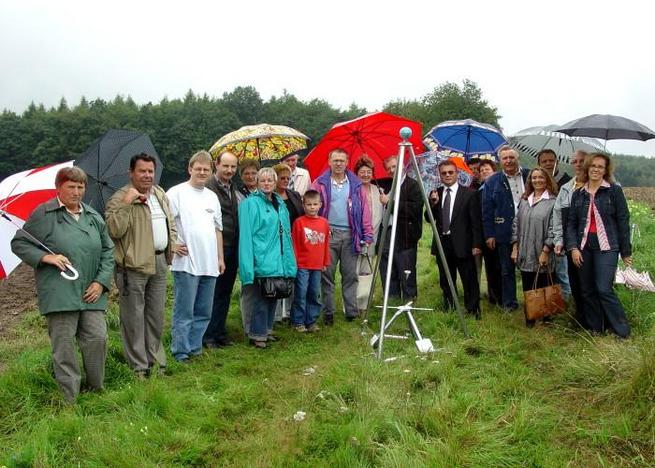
column 17, row 293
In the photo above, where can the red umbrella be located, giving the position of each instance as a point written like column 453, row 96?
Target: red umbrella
column 19, row 195
column 376, row 135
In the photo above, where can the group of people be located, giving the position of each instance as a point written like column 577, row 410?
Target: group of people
column 279, row 228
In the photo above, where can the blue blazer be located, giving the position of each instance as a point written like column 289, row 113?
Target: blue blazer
column 498, row 207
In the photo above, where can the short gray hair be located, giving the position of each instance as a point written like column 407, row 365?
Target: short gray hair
column 267, row 171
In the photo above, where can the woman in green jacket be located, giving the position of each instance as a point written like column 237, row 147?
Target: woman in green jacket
column 74, row 309
column 265, row 250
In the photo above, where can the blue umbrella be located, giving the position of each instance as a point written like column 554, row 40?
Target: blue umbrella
column 467, row 137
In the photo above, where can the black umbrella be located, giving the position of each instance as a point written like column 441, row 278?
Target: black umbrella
column 607, row 127
column 107, row 164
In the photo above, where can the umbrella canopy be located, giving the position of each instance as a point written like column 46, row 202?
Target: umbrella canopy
column 467, row 137
column 376, row 135
column 607, row 127
column 428, row 163
column 534, row 139
column 19, row 195
column 262, row 142
column 107, row 164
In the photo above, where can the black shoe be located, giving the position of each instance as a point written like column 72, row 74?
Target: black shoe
column 224, row 342
column 350, row 318
column 211, row 345
column 328, row 320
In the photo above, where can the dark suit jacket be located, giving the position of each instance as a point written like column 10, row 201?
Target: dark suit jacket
column 465, row 222
column 410, row 222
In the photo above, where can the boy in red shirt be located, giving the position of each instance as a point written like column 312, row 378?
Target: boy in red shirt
column 311, row 244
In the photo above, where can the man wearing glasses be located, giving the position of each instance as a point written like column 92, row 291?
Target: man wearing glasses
column 345, row 206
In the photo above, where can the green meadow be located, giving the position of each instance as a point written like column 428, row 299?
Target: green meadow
column 506, row 396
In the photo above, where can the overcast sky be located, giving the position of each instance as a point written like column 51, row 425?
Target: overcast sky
column 538, row 62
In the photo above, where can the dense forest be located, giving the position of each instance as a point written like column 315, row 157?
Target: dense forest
column 179, row 127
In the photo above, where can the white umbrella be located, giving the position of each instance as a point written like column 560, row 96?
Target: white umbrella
column 534, row 139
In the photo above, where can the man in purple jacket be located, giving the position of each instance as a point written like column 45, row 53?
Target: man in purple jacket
column 345, row 206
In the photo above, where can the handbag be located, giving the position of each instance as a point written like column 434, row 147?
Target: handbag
column 543, row 302
column 364, row 279
column 276, row 287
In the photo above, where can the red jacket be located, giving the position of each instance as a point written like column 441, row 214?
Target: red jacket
column 311, row 242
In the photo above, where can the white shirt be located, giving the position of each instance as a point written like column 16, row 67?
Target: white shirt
column 299, row 180
column 158, row 219
column 516, row 186
column 453, row 193
column 197, row 214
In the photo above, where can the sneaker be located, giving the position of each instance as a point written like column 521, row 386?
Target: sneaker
column 300, row 328
column 313, row 328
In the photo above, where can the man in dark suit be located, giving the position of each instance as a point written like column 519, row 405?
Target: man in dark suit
column 456, row 210
column 408, row 233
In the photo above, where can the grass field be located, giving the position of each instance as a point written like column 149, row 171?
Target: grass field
column 507, row 396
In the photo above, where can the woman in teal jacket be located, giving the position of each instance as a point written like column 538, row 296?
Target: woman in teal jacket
column 265, row 250
column 74, row 309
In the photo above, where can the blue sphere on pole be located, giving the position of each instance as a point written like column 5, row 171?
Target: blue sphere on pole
column 405, row 133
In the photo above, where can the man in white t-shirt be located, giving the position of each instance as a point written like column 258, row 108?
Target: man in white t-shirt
column 199, row 258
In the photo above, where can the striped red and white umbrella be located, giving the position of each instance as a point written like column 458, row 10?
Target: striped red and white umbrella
column 20, row 194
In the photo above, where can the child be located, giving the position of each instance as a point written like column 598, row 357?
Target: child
column 311, row 243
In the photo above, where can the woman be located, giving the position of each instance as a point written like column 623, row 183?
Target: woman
column 598, row 230
column 265, row 250
column 248, row 172
column 291, row 198
column 74, row 309
column 532, row 231
column 364, row 169
column 486, row 169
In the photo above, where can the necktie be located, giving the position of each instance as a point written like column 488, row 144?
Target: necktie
column 445, row 212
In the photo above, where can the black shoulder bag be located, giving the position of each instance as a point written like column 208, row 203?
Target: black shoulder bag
column 276, row 287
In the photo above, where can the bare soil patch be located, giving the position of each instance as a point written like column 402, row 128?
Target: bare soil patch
column 642, row 194
column 17, row 296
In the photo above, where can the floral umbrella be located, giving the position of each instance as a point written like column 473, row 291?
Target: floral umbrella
column 262, row 142
column 428, row 163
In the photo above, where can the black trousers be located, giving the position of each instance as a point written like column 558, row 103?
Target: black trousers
column 404, row 260
column 216, row 331
column 492, row 271
column 576, row 291
column 467, row 273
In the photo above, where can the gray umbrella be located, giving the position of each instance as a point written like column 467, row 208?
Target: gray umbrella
column 607, row 127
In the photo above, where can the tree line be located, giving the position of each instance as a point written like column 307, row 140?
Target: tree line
column 179, row 127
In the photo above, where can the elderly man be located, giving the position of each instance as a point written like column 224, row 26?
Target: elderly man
column 345, row 206
column 456, row 210
column 408, row 233
column 199, row 257
column 223, row 186
column 299, row 180
column 560, row 216
column 500, row 201
column 140, row 222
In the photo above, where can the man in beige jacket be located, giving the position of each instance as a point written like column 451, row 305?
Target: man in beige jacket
column 140, row 223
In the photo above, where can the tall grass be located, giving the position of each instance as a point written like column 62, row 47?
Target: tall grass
column 507, row 396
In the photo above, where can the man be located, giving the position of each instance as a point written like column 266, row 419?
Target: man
column 345, row 206
column 500, row 201
column 560, row 216
column 140, row 222
column 199, row 257
column 408, row 233
column 456, row 210
column 547, row 159
column 299, row 180
column 474, row 165
column 223, row 186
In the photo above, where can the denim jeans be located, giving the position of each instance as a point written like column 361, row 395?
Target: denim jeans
column 508, row 276
column 562, row 275
column 192, row 309
column 306, row 306
column 602, row 309
column 261, row 313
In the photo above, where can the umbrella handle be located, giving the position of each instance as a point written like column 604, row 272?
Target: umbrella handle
column 72, row 276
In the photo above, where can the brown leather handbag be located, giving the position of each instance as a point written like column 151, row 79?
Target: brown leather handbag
column 543, row 302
